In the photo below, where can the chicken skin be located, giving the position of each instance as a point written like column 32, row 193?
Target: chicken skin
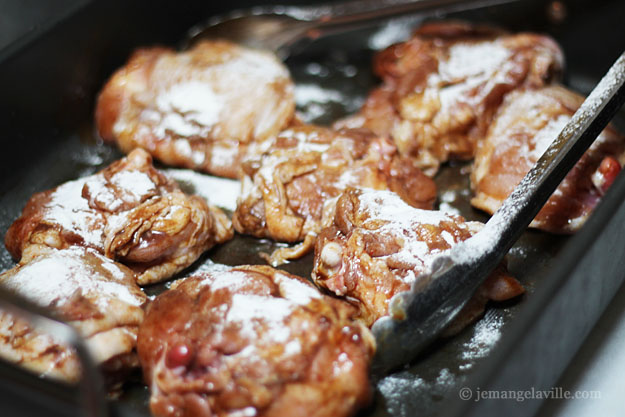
column 524, row 127
column 129, row 212
column 198, row 109
column 96, row 295
column 441, row 87
column 252, row 340
column 290, row 191
column 379, row 246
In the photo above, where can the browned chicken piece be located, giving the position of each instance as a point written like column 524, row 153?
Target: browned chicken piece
column 129, row 212
column 96, row 295
column 197, row 109
column 441, row 87
column 290, row 191
column 380, row 246
column 522, row 130
column 253, row 341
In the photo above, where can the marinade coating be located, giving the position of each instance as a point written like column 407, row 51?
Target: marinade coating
column 97, row 296
column 379, row 246
column 526, row 124
column 441, row 87
column 200, row 108
column 253, row 340
column 129, row 212
column 291, row 183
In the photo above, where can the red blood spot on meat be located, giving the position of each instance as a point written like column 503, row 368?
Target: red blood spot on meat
column 179, row 355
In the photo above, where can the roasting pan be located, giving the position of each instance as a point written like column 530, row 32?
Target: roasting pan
column 48, row 81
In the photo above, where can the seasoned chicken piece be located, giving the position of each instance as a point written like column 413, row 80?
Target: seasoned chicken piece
column 253, row 341
column 524, row 127
column 199, row 108
column 129, row 212
column 96, row 295
column 289, row 192
column 380, row 246
column 441, row 87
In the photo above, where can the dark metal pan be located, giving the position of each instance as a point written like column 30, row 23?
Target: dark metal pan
column 49, row 82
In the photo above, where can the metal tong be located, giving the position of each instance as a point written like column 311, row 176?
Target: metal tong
column 457, row 275
column 90, row 386
column 280, row 28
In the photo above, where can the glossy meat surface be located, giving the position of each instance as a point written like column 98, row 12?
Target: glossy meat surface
column 289, row 191
column 525, row 126
column 378, row 246
column 253, row 341
column 96, row 295
column 441, row 87
column 130, row 212
column 197, row 109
